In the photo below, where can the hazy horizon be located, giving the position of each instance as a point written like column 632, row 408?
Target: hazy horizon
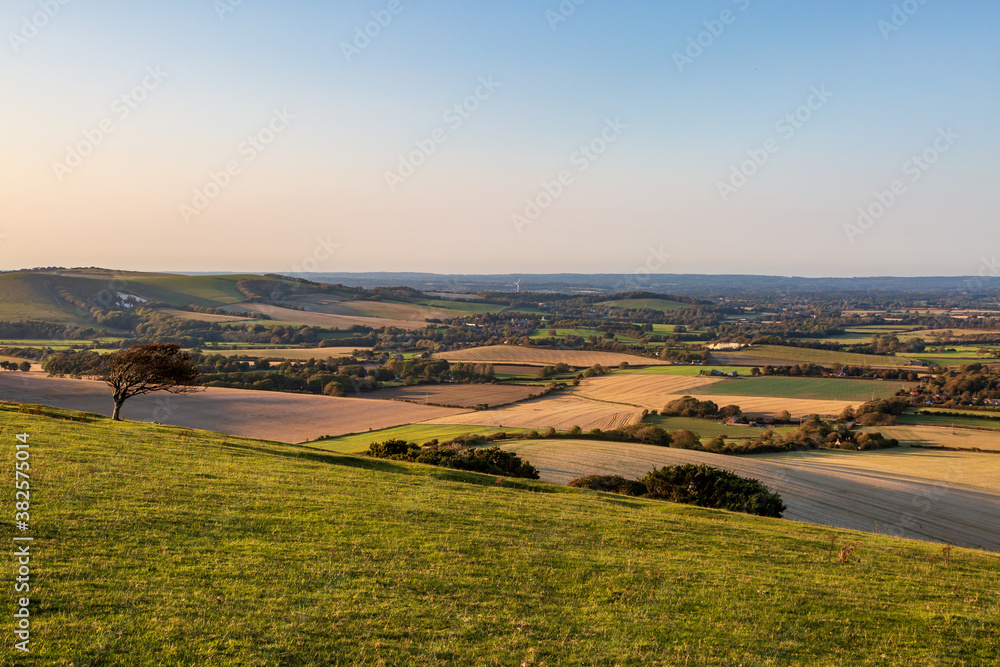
column 725, row 138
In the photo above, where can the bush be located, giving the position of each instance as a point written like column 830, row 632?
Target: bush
column 393, row 449
column 491, row 461
column 706, row 486
column 610, row 484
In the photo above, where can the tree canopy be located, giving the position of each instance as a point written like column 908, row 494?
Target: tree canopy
column 144, row 369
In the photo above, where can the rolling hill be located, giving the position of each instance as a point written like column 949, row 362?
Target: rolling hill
column 160, row 545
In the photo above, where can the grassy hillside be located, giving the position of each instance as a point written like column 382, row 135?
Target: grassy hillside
column 159, row 545
column 23, row 296
column 797, row 355
column 663, row 305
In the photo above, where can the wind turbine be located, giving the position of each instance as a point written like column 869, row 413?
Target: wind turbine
column 517, row 284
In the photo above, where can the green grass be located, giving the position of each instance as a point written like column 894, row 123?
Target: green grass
column 460, row 308
column 562, row 333
column 832, row 389
column 707, row 428
column 164, row 546
column 662, row 305
column 946, row 421
column 797, row 355
column 418, row 433
column 23, row 296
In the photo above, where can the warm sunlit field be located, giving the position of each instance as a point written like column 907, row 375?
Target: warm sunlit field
column 510, row 354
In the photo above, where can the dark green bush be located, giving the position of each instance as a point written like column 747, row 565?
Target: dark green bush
column 610, row 484
column 706, row 486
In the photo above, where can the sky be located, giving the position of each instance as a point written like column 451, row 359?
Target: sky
column 823, row 138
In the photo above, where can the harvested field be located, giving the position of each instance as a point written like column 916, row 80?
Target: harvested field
column 938, row 436
column 561, row 412
column 644, row 391
column 326, row 320
column 255, row 414
column 770, row 406
column 537, row 356
column 818, row 490
column 458, row 395
column 292, row 353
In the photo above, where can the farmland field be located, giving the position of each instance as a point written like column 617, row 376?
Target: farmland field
column 707, row 428
column 327, row 320
column 770, row 406
column 290, row 353
column 946, row 421
column 202, row 317
column 781, row 354
column 418, row 433
column 257, row 414
column 511, row 354
column 161, row 546
column 684, row 369
column 561, row 412
column 819, row 490
column 457, row 395
column 943, row 437
column 644, row 391
column 837, row 389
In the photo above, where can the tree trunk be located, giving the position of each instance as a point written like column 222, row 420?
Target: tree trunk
column 118, row 408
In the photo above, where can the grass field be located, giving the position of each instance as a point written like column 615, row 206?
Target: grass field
column 821, row 489
column 707, row 428
column 157, row 546
column 683, row 369
column 511, row 354
column 773, row 354
column 328, row 320
column 836, row 389
column 662, row 305
column 940, row 436
column 946, row 421
column 23, row 296
column 418, row 433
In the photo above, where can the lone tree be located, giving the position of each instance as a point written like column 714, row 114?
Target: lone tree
column 143, row 369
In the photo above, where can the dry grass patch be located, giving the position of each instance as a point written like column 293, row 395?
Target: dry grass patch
column 644, row 391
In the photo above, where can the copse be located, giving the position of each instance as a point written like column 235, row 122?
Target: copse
column 144, row 369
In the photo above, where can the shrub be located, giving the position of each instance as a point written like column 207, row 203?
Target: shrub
column 610, row 484
column 393, row 449
column 491, row 461
column 706, row 486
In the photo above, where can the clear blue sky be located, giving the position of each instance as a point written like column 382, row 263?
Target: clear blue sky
column 324, row 188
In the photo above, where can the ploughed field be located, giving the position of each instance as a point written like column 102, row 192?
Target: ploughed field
column 940, row 500
column 537, row 356
column 256, row 414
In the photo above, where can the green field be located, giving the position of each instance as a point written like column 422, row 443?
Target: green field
column 562, row 333
column 158, row 545
column 418, row 433
column 23, row 296
column 798, row 355
column 949, row 422
column 461, row 308
column 662, row 305
column 832, row 389
column 706, row 428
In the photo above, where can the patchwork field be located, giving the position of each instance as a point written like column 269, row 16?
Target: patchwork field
column 202, row 317
column 820, row 489
column 561, row 412
column 644, row 391
column 512, row 354
column 256, row 414
column 458, row 395
column 836, row 389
